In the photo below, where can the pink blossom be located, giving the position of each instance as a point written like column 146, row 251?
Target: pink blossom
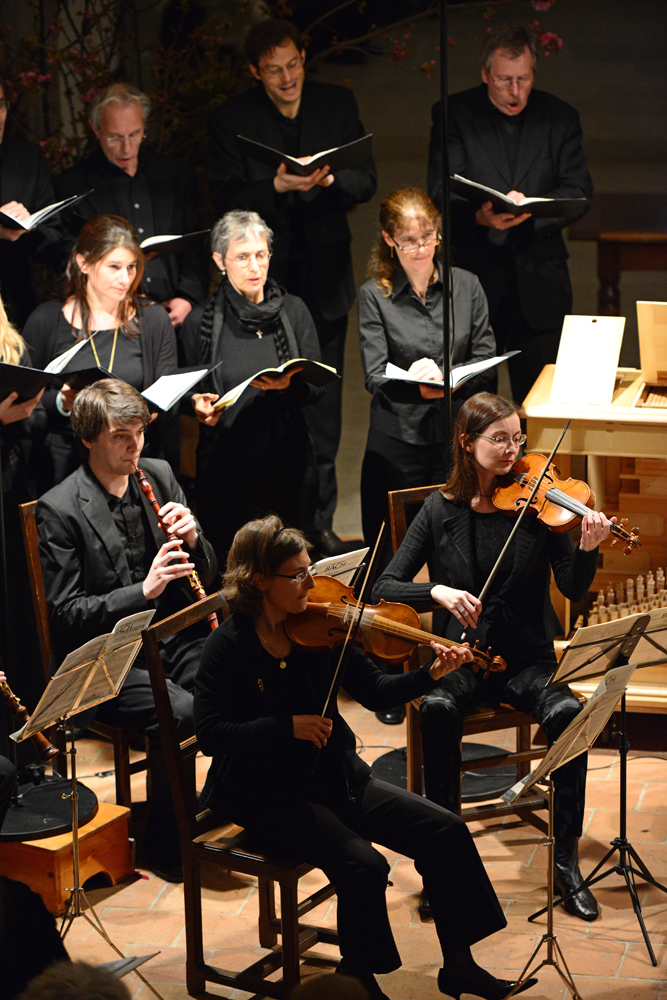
column 551, row 42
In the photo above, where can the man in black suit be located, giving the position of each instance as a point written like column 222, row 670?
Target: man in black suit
column 525, row 143
column 312, row 256
column 104, row 557
column 25, row 187
column 156, row 193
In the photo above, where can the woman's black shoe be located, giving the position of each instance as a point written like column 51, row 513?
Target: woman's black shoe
column 392, row 717
column 487, row 986
column 568, row 878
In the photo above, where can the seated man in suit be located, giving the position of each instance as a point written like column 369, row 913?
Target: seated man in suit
column 308, row 215
column 156, row 193
column 524, row 143
column 25, row 187
column 104, row 557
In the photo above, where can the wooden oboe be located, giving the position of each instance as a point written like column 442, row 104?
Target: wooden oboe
column 193, row 577
column 45, row 749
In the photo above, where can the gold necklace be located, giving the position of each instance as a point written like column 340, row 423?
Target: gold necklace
column 113, row 350
column 267, row 645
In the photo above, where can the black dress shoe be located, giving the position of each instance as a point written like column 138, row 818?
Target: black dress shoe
column 328, row 543
column 392, row 717
column 424, row 906
column 568, row 878
column 367, row 980
column 487, row 986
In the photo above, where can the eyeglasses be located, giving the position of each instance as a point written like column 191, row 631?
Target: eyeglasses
column 300, row 576
column 505, row 82
column 412, row 247
column 504, row 441
column 244, row 259
column 273, row 72
column 133, row 139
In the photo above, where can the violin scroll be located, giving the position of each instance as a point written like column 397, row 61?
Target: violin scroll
column 630, row 537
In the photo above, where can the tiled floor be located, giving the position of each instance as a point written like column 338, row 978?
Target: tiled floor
column 608, row 958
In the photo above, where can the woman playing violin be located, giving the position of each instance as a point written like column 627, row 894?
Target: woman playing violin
column 287, row 770
column 460, row 525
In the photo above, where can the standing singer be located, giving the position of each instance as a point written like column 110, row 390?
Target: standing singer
column 287, row 770
column 459, row 523
column 104, row 556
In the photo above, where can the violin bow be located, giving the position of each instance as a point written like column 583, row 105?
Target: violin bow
column 534, row 490
column 355, row 620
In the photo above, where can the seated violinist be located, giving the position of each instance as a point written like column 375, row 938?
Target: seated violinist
column 460, row 525
column 286, row 767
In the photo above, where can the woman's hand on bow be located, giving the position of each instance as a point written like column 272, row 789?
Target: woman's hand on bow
column 465, row 608
column 314, row 728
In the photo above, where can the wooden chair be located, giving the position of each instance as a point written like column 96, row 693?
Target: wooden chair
column 119, row 737
column 484, row 719
column 228, row 847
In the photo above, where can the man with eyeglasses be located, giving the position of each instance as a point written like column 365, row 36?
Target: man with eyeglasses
column 25, row 187
column 525, row 143
column 156, row 193
column 312, row 258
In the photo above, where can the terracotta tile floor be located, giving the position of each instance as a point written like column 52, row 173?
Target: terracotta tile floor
column 608, row 958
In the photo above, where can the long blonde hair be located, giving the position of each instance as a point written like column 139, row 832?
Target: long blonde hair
column 12, row 344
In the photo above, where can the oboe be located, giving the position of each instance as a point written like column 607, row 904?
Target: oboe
column 45, row 749
column 193, row 577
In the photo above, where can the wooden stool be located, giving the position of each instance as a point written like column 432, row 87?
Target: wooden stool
column 46, row 865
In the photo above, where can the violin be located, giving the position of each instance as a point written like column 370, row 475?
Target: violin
column 389, row 632
column 560, row 504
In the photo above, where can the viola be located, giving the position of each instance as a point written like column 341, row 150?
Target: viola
column 390, row 632
column 560, row 504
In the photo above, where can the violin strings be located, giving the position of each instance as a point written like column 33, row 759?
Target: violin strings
column 554, row 495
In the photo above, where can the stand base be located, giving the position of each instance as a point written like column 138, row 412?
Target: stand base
column 43, row 812
column 476, row 786
column 46, row 865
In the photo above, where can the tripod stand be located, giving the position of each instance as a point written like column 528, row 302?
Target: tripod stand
column 626, row 852
column 78, row 895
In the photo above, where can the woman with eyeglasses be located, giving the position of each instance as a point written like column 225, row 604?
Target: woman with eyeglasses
column 133, row 337
column 289, row 773
column 400, row 321
column 255, row 455
column 459, row 524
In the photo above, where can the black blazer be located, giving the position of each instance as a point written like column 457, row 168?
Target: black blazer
column 174, row 195
column 329, row 117
column 550, row 163
column 25, row 177
column 86, row 573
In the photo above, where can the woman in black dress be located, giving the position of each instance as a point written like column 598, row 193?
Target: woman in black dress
column 291, row 776
column 254, row 456
column 134, row 338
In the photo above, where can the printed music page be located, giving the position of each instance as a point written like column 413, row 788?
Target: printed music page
column 588, row 355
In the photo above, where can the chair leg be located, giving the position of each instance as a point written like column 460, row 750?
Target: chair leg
column 194, row 940
column 121, row 758
column 289, row 918
column 522, row 743
column 414, row 751
column 268, row 932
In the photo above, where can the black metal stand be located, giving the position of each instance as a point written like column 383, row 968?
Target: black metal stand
column 627, row 853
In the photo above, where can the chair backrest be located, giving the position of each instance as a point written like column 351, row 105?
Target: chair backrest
column 42, row 616
column 399, row 500
column 177, row 752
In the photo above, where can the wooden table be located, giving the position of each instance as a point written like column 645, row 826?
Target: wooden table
column 631, row 233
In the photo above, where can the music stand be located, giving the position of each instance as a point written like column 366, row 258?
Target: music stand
column 87, row 677
column 649, row 650
column 578, row 737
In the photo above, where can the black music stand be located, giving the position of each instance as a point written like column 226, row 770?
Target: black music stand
column 578, row 737
column 88, row 676
column 650, row 649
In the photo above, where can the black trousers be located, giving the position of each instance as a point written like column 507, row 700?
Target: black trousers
column 334, row 837
column 391, row 464
column 538, row 347
column 442, row 714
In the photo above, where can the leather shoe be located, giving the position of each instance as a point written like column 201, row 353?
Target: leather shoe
column 367, row 980
column 392, row 717
column 328, row 543
column 424, row 906
column 486, row 987
column 568, row 878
